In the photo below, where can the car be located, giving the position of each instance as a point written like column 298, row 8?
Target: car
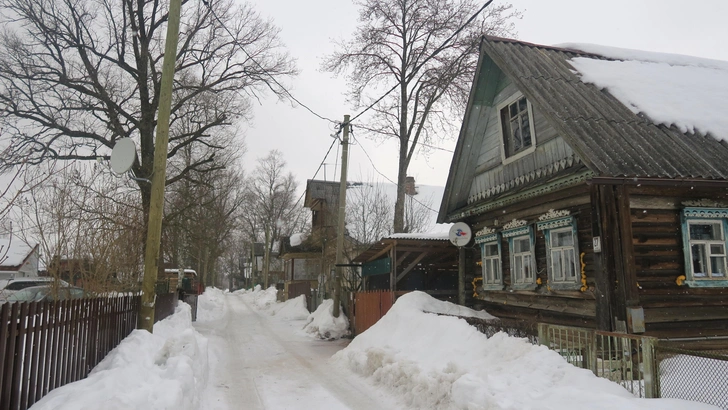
column 14, row 285
column 46, row 293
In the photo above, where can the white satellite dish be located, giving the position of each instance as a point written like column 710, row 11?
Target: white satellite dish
column 460, row 234
column 123, row 155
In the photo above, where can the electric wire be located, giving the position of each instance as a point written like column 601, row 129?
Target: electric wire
column 388, row 179
column 431, row 56
column 208, row 3
column 320, row 165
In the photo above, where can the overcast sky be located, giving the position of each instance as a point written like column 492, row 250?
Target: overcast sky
column 695, row 28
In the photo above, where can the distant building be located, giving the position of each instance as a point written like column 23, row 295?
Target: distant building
column 17, row 259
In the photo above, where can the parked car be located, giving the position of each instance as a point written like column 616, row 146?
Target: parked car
column 11, row 286
column 46, row 293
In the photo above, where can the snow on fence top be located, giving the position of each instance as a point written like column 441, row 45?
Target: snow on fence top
column 670, row 89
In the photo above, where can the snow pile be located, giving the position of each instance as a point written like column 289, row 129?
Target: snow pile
column 164, row 370
column 292, row 309
column 434, row 361
column 263, row 299
column 323, row 325
column 687, row 92
column 298, row 238
column 211, row 305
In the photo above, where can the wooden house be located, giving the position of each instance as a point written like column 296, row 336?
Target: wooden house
column 17, row 259
column 587, row 210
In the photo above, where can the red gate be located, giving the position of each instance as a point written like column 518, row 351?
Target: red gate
column 369, row 307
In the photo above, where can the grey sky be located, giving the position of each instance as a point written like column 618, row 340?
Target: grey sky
column 695, row 28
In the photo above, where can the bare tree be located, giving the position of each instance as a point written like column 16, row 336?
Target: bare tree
column 76, row 76
column 369, row 212
column 271, row 209
column 414, row 47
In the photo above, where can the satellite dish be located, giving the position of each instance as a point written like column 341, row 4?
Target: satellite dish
column 123, row 155
column 460, row 234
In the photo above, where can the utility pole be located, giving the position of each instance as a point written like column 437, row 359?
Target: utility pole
column 341, row 218
column 159, row 175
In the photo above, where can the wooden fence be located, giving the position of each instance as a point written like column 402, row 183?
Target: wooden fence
column 44, row 345
column 369, row 307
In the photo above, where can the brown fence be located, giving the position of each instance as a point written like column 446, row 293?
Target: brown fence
column 369, row 307
column 164, row 305
column 44, row 345
column 296, row 289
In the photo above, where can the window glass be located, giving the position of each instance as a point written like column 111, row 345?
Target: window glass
column 707, row 249
column 491, row 263
column 491, row 249
column 706, row 231
column 521, row 245
column 516, row 127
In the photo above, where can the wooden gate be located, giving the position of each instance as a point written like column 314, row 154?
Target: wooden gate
column 369, row 307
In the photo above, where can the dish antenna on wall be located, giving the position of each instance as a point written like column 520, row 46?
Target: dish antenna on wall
column 460, row 234
column 123, row 156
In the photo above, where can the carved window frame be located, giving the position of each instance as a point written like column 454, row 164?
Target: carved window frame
column 519, row 281
column 693, row 216
column 563, row 224
column 496, row 261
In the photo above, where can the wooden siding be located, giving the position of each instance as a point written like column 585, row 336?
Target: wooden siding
column 484, row 125
column 671, row 310
column 566, row 307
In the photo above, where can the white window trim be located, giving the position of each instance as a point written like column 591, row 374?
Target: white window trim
column 505, row 160
column 570, row 283
column 531, row 252
column 494, row 285
column 697, row 215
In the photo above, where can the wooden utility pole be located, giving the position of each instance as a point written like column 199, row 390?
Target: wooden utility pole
column 159, row 175
column 341, row 217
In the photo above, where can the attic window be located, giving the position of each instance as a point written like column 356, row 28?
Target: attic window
column 516, row 125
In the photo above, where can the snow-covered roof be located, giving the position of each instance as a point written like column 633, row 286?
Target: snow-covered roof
column 437, row 232
column 670, row 89
column 191, row 271
column 13, row 251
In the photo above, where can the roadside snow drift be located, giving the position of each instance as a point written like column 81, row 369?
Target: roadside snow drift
column 440, row 362
column 323, row 325
column 164, row 370
column 320, row 324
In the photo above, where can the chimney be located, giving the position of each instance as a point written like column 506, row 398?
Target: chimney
column 409, row 186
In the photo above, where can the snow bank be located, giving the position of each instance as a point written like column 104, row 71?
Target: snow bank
column 440, row 362
column 164, row 370
column 323, row 325
column 292, row 309
column 211, row 305
column 263, row 299
column 687, row 92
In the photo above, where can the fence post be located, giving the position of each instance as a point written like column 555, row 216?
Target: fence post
column 651, row 368
column 543, row 335
column 592, row 347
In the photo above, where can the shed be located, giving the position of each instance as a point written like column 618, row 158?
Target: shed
column 414, row 261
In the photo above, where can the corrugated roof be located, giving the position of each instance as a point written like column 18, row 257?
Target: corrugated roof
column 610, row 139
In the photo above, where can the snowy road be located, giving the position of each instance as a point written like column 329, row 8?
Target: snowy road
column 260, row 362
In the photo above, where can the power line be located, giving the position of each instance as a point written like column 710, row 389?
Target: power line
column 387, row 178
column 319, row 167
column 237, row 43
column 431, row 56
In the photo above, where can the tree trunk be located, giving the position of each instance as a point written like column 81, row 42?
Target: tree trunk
column 266, row 257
